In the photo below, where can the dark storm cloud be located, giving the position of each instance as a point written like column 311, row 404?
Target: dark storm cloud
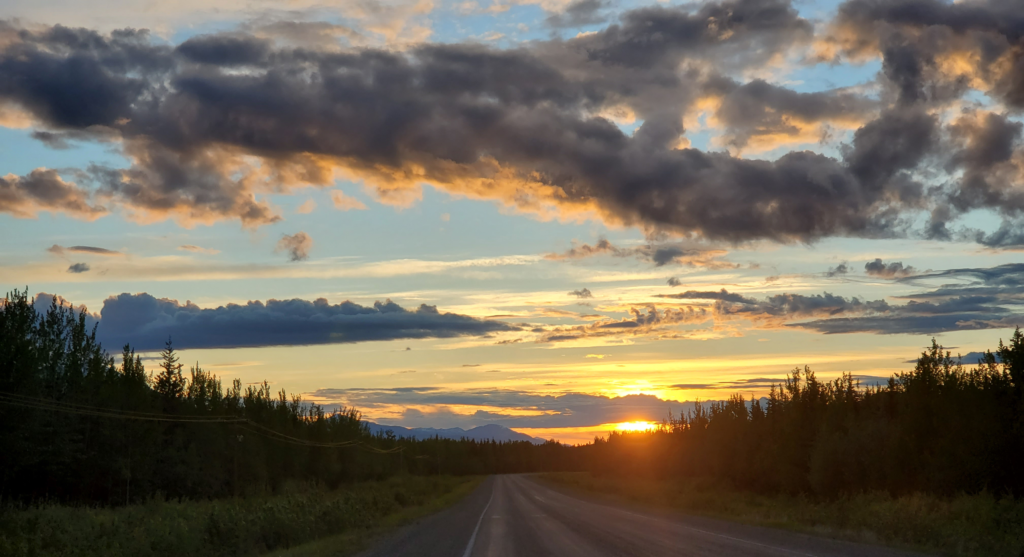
column 45, row 190
column 225, row 50
column 914, row 34
column 216, row 122
column 758, row 108
column 146, row 322
column 878, row 268
column 934, row 52
column 78, row 268
column 655, row 35
column 187, row 117
column 51, row 140
column 987, row 145
column 77, row 78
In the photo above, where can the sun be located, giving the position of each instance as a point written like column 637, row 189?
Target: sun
column 636, row 426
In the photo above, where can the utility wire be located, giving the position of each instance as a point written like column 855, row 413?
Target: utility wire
column 243, row 423
column 77, row 406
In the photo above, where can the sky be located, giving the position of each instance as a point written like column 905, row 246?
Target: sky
column 555, row 216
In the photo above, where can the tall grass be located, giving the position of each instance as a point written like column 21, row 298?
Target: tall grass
column 979, row 525
column 228, row 527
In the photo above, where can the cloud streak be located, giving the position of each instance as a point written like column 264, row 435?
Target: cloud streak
column 146, row 322
column 88, row 250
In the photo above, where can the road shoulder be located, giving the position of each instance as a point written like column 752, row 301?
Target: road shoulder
column 394, row 525
column 766, row 529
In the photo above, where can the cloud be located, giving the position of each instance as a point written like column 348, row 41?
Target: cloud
column 582, row 251
column 582, row 293
column 197, row 249
column 838, row 270
column 42, row 302
column 991, row 298
column 929, row 45
column 343, row 202
column 146, row 322
column 207, row 141
column 893, row 270
column 204, row 139
column 673, row 281
column 722, row 295
column 89, row 250
column 296, row 245
column 44, row 190
column 307, row 207
column 658, row 254
column 78, row 268
column 308, row 34
column 579, row 13
column 652, row 322
column 512, row 408
column 764, row 116
column 934, row 53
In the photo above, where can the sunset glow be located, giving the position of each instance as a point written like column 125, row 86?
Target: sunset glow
column 574, row 229
column 632, row 427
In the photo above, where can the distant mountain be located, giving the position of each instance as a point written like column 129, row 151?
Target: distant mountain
column 482, row 433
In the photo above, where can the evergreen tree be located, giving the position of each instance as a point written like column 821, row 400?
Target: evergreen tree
column 169, row 382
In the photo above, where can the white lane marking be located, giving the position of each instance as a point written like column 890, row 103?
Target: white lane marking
column 673, row 523
column 472, row 539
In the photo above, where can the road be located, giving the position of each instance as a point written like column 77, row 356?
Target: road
column 515, row 516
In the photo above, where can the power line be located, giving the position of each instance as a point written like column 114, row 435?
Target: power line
column 244, row 423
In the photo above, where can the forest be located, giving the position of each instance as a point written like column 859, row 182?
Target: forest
column 942, row 428
column 77, row 427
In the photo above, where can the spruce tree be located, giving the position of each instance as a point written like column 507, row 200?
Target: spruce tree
column 169, row 382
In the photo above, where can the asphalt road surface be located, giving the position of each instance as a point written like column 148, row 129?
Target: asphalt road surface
column 515, row 516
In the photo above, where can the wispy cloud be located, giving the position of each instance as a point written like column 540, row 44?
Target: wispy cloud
column 197, row 249
column 88, row 250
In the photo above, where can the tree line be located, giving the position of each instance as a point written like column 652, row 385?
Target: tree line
column 77, row 427
column 942, row 428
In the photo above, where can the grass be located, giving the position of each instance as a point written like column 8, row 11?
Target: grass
column 965, row 525
column 351, row 542
column 349, row 516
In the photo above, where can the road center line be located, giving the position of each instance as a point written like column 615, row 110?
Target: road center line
column 472, row 539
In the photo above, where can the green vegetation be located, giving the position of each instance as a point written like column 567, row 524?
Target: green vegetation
column 941, row 428
column 234, row 526
column 354, row 541
column 932, row 457
column 970, row 525
column 78, row 428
